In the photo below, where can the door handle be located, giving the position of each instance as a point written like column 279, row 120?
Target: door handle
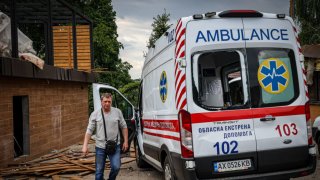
column 268, row 118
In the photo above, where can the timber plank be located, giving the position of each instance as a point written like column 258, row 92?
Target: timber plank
column 67, row 160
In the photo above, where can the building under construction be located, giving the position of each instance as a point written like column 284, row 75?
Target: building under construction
column 46, row 59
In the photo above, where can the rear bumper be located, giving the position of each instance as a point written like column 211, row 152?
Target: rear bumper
column 183, row 173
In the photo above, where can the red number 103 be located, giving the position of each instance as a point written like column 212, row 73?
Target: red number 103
column 287, row 129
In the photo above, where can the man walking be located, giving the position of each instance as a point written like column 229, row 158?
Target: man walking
column 113, row 119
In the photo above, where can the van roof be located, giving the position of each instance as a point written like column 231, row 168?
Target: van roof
column 162, row 43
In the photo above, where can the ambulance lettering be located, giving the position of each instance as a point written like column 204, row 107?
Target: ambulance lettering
column 168, row 125
column 228, row 135
column 237, row 134
column 219, row 35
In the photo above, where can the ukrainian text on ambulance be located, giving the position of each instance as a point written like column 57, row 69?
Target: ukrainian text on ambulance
column 226, row 135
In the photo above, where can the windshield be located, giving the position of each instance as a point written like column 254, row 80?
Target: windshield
column 224, row 79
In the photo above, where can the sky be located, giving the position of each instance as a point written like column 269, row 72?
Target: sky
column 134, row 19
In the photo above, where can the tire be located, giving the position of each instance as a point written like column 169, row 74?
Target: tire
column 168, row 171
column 140, row 162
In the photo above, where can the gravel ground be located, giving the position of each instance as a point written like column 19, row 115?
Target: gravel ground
column 132, row 172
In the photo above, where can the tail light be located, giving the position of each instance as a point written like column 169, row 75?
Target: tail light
column 309, row 127
column 185, row 134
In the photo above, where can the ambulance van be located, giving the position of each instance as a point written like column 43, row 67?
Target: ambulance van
column 224, row 95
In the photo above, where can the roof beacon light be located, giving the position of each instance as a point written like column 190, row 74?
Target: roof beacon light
column 281, row 16
column 210, row 14
column 197, row 16
column 240, row 13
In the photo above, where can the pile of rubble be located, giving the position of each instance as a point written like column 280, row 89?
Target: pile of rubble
column 66, row 163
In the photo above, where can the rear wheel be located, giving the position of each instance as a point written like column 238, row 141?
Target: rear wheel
column 140, row 162
column 168, row 172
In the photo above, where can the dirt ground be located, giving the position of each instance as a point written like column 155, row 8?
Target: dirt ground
column 128, row 171
column 132, row 172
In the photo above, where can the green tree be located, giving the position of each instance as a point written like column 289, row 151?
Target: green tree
column 307, row 13
column 131, row 91
column 159, row 26
column 105, row 44
column 120, row 77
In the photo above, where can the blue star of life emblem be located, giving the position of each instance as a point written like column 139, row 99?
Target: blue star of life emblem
column 163, row 86
column 274, row 75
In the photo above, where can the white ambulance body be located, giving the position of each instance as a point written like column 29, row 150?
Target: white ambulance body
column 224, row 95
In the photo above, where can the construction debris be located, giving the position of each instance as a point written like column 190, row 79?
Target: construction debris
column 65, row 164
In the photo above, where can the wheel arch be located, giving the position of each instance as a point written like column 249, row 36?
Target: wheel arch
column 164, row 152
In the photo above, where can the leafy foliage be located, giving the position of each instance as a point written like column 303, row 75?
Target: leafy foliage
column 131, row 91
column 308, row 15
column 105, row 44
column 159, row 26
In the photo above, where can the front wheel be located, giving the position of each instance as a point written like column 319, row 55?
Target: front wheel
column 168, row 171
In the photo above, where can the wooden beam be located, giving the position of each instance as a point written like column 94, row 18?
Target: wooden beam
column 81, row 165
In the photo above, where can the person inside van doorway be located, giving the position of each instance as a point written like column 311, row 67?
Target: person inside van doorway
column 113, row 119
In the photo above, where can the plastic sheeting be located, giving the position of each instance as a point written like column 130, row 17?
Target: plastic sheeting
column 33, row 59
column 24, row 43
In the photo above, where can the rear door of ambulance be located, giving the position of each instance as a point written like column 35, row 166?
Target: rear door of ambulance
column 277, row 91
column 224, row 142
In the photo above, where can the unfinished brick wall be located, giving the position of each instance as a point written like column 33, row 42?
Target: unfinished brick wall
column 58, row 115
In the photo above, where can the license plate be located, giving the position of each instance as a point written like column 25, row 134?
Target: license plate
column 232, row 165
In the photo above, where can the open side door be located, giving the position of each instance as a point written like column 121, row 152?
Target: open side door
column 118, row 101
